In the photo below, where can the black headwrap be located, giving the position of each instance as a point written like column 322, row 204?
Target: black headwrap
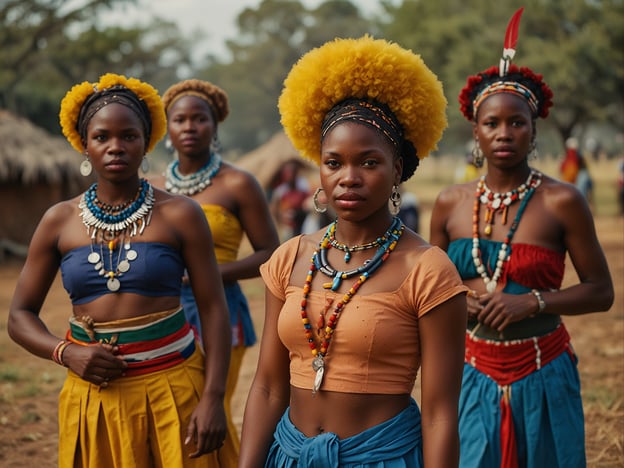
column 379, row 117
column 115, row 94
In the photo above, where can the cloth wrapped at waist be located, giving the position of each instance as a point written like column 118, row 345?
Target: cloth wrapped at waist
column 396, row 438
column 147, row 343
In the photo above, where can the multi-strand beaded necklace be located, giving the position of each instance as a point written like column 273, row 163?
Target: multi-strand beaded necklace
column 494, row 201
column 319, row 263
column 534, row 180
column 176, row 182
column 114, row 226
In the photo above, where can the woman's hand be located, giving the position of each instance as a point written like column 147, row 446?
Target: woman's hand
column 498, row 309
column 207, row 428
column 97, row 363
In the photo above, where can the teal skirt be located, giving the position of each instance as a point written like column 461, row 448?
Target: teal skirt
column 547, row 416
column 396, row 443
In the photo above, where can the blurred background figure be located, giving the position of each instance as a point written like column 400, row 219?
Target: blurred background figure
column 410, row 211
column 288, row 200
column 570, row 165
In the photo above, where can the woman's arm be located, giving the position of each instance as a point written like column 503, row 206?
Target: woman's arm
column 207, row 427
column 255, row 218
column 96, row 364
column 269, row 393
column 442, row 332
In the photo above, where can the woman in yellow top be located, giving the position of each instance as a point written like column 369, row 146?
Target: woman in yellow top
column 234, row 204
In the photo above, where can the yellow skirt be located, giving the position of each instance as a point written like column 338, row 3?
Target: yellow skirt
column 137, row 421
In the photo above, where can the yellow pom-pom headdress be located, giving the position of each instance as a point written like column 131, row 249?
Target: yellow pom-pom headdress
column 84, row 99
column 364, row 68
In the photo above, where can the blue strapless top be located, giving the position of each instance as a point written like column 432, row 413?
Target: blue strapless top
column 156, row 271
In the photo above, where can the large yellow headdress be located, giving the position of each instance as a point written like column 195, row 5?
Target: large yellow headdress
column 365, row 68
column 82, row 100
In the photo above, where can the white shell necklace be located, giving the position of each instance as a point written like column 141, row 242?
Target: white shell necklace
column 176, row 182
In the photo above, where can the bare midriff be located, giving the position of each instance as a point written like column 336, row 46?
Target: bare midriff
column 344, row 414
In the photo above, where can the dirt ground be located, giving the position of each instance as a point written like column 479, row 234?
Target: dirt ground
column 29, row 386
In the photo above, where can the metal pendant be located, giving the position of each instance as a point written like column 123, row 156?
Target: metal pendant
column 131, row 255
column 318, row 380
column 123, row 266
column 318, row 363
column 491, row 286
column 93, row 257
column 113, row 284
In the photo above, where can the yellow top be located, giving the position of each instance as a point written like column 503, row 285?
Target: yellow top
column 227, row 232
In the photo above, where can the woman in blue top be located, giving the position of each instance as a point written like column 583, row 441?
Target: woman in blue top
column 140, row 391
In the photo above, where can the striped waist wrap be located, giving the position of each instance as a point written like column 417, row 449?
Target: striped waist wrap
column 506, row 362
column 147, row 343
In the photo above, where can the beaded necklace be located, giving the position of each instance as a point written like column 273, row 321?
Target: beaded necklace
column 176, row 182
column 535, row 179
column 495, row 201
column 115, row 225
column 393, row 234
column 356, row 248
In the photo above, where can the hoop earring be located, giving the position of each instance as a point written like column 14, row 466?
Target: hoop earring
column 395, row 200
column 317, row 207
column 477, row 155
column 86, row 167
column 533, row 153
column 145, row 165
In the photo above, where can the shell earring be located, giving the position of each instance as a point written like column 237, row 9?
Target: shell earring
column 533, row 153
column 145, row 165
column 317, row 206
column 395, row 200
column 477, row 155
column 85, row 166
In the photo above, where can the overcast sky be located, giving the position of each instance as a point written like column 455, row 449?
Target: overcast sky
column 216, row 18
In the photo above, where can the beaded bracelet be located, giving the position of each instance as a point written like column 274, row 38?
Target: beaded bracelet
column 541, row 305
column 59, row 349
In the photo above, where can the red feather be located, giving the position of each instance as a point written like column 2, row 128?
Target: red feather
column 511, row 35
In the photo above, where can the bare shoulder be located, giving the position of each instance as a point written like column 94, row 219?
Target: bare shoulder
column 237, row 178
column 60, row 213
column 176, row 208
column 559, row 196
column 453, row 194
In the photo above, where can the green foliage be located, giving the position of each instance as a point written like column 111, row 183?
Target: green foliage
column 42, row 42
column 46, row 47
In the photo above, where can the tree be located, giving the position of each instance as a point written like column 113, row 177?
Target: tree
column 43, row 42
column 271, row 38
column 575, row 44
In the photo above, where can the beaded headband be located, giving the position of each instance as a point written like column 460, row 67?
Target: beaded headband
column 512, row 87
column 375, row 115
column 371, row 70
column 137, row 95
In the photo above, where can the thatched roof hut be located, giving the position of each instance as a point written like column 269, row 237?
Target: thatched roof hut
column 266, row 161
column 36, row 171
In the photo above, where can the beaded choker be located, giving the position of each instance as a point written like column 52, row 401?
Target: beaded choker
column 114, row 226
column 319, row 262
column 356, row 248
column 500, row 201
column 534, row 180
column 190, row 184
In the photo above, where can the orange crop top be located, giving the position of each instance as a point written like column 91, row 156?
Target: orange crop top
column 375, row 347
column 226, row 230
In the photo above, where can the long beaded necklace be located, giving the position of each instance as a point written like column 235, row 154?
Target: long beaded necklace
column 495, row 201
column 356, row 248
column 115, row 225
column 176, row 182
column 535, row 179
column 318, row 363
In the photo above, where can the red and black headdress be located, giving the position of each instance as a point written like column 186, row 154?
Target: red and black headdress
column 507, row 78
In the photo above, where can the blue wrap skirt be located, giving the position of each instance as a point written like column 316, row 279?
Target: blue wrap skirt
column 396, row 443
